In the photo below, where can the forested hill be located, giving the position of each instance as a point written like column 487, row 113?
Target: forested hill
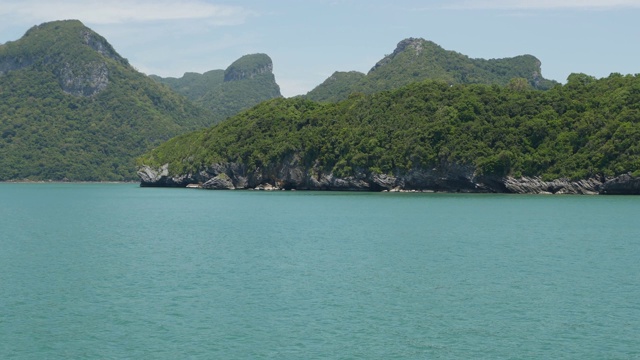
column 245, row 83
column 419, row 59
column 72, row 108
column 427, row 135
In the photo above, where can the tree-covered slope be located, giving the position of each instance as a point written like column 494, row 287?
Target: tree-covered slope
column 245, row 83
column 72, row 108
column 418, row 59
column 586, row 128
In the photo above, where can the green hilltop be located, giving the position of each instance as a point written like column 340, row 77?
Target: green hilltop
column 71, row 108
column 245, row 83
column 586, row 128
column 418, row 59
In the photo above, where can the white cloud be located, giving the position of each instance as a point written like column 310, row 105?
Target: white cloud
column 121, row 11
column 544, row 4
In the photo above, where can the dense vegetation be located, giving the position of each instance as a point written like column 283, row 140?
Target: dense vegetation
column 417, row 59
column 587, row 127
column 72, row 108
column 193, row 85
column 49, row 130
column 245, row 83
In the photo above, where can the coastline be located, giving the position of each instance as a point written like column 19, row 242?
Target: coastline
column 448, row 178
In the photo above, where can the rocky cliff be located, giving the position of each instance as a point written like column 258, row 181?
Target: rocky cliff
column 446, row 178
column 248, row 67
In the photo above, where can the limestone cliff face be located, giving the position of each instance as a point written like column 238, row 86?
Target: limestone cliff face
column 535, row 185
column 87, row 80
column 248, row 67
column 290, row 174
column 101, row 46
column 622, row 185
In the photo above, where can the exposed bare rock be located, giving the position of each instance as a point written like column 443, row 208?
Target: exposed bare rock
column 622, row 185
column 220, row 182
column 148, row 175
column 384, row 181
column 100, row 44
column 290, row 174
column 79, row 80
column 88, row 81
column 160, row 177
column 248, row 67
column 535, row 185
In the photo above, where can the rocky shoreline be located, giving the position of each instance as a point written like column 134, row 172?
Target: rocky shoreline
column 291, row 175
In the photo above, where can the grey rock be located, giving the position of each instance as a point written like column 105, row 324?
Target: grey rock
column 149, row 175
column 291, row 174
column 87, row 81
column 384, row 181
column 625, row 184
column 100, row 45
column 238, row 71
column 535, row 185
column 220, row 182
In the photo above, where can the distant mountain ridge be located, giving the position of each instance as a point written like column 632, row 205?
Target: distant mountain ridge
column 417, row 59
column 245, row 83
column 72, row 108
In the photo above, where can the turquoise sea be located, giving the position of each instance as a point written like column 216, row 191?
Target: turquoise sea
column 114, row 271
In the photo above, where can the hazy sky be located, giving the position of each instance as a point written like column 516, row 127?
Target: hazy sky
column 309, row 40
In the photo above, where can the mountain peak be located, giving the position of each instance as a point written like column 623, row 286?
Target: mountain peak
column 414, row 44
column 417, row 59
column 246, row 82
column 65, row 36
column 76, row 110
column 248, row 67
column 78, row 56
column 411, row 46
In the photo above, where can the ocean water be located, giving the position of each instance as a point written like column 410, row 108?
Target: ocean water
column 114, row 271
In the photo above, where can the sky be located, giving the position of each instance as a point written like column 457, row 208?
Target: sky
column 308, row 40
